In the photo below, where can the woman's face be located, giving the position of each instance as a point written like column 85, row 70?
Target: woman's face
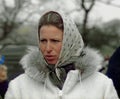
column 3, row 74
column 50, row 43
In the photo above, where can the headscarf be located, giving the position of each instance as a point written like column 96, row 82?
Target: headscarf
column 71, row 49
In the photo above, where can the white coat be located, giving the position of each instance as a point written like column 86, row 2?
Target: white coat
column 88, row 85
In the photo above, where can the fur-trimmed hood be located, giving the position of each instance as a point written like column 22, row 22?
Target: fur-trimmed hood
column 89, row 61
column 72, row 51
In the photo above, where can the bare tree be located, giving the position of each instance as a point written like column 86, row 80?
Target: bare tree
column 8, row 17
column 87, row 6
column 12, row 18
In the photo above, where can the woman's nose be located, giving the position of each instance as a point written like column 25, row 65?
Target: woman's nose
column 48, row 47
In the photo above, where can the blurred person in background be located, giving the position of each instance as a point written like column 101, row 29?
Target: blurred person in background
column 3, row 80
column 0, row 97
column 61, row 67
column 114, row 69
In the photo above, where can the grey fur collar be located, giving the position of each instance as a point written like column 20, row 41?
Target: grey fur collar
column 89, row 61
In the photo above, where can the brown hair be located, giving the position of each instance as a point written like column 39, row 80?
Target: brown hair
column 51, row 18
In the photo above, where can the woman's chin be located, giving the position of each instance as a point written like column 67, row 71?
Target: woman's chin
column 51, row 62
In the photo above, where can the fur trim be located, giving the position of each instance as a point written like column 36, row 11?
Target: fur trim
column 32, row 65
column 88, row 62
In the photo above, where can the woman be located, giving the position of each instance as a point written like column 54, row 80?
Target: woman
column 61, row 68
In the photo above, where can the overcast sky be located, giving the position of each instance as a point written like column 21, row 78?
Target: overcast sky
column 107, row 12
column 102, row 11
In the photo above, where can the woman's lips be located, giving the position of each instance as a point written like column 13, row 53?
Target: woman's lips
column 49, row 57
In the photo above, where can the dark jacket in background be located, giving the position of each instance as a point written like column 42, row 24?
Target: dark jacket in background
column 3, row 88
column 114, row 69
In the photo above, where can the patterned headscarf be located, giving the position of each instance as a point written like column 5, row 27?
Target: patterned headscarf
column 71, row 49
column 72, row 42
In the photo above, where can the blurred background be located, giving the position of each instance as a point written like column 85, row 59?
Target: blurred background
column 98, row 22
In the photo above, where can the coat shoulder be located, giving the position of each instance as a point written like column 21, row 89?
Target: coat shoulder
column 102, row 76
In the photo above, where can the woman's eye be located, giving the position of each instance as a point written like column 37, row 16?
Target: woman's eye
column 43, row 40
column 55, row 41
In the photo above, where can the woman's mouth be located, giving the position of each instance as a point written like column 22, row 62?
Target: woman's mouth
column 49, row 57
